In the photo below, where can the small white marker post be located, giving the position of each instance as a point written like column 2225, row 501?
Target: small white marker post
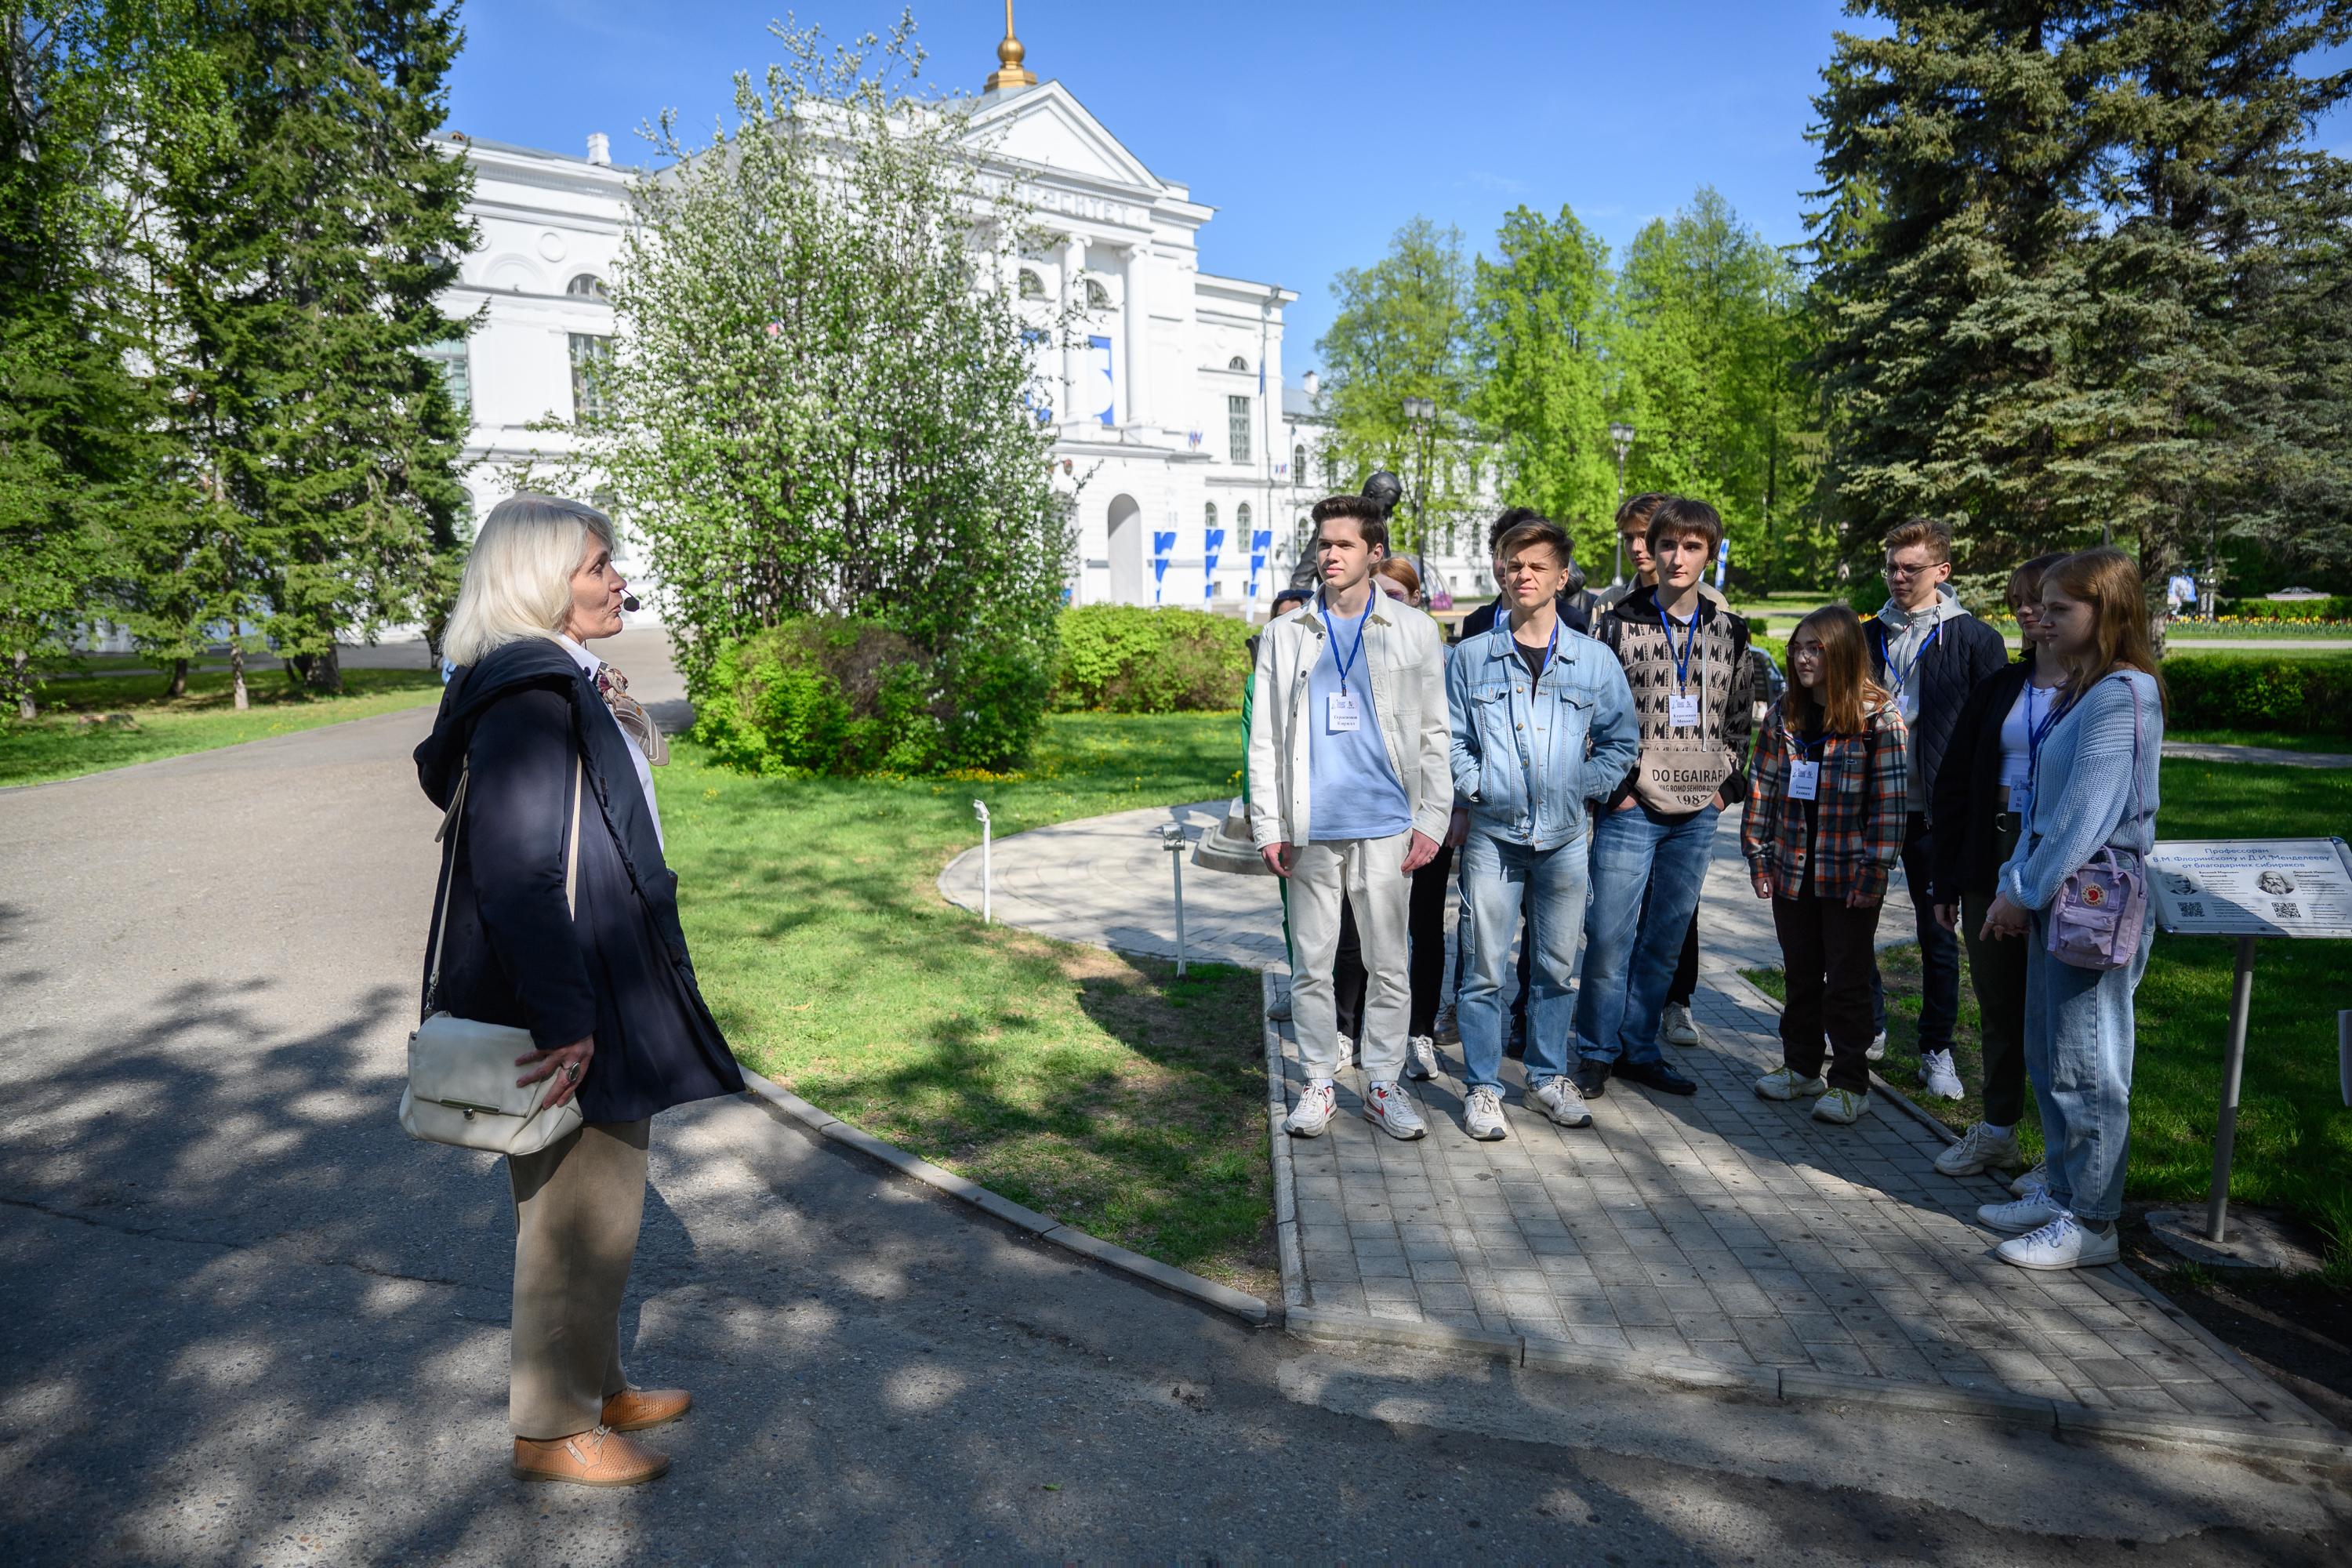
column 1172, row 838
column 987, row 871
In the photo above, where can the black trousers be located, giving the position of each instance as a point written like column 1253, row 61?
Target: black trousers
column 1424, row 930
column 1997, row 971
column 1939, row 952
column 1828, row 954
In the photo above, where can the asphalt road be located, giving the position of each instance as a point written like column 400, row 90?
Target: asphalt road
column 249, row 1322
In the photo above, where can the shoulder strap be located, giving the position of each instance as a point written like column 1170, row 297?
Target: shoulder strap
column 453, row 822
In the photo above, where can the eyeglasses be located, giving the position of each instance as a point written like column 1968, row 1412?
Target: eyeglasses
column 1894, row 570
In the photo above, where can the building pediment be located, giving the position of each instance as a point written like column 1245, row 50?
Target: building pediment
column 1047, row 129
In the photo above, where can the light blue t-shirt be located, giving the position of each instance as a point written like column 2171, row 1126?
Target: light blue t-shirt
column 1353, row 792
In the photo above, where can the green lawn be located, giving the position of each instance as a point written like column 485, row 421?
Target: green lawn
column 2294, row 1135
column 108, row 722
column 1093, row 1086
column 2336, row 745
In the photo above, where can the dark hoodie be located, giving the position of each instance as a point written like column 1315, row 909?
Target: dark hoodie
column 512, row 954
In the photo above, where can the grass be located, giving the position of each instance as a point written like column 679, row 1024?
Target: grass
column 109, row 721
column 2295, row 1135
column 2337, row 745
column 1096, row 1087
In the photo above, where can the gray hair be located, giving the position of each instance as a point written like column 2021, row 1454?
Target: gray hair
column 518, row 581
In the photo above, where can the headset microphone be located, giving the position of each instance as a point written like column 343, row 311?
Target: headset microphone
column 629, row 602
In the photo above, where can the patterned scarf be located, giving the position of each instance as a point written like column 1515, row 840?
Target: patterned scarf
column 630, row 714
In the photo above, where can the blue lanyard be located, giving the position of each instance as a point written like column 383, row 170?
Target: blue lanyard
column 1550, row 648
column 1797, row 744
column 2034, row 734
column 1682, row 660
column 1902, row 678
column 1349, row 662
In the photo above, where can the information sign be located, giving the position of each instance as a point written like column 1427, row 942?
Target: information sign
column 2253, row 886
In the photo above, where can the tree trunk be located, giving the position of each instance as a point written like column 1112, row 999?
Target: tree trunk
column 236, row 674
column 320, row 673
column 26, row 711
column 176, row 685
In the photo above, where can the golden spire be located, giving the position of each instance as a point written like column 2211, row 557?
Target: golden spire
column 1009, row 55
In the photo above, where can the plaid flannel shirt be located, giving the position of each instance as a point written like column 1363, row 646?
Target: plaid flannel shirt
column 1859, row 815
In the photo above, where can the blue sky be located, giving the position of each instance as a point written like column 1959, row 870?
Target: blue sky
column 1314, row 128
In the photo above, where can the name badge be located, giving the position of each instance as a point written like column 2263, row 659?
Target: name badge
column 2020, row 801
column 1346, row 716
column 1682, row 713
column 1804, row 779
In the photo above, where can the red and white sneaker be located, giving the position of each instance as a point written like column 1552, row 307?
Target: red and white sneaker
column 1387, row 1106
column 1313, row 1113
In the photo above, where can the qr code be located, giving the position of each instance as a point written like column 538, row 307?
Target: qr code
column 2192, row 910
column 2286, row 911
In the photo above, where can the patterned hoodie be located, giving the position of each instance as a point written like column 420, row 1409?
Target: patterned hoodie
column 1719, row 669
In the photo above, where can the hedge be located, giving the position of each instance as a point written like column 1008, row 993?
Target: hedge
column 823, row 694
column 2297, row 696
column 2337, row 607
column 1123, row 659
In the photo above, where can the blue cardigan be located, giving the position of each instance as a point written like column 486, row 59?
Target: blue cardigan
column 2083, row 788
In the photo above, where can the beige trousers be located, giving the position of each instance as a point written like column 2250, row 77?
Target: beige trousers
column 1369, row 873
column 578, row 1204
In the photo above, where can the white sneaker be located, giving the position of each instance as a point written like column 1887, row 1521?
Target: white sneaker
column 2036, row 1180
column 1980, row 1149
column 2064, row 1243
column 1387, row 1106
column 1313, row 1113
column 1481, row 1116
column 1938, row 1076
column 1678, row 1028
column 2017, row 1218
column 1421, row 1057
column 1563, row 1102
column 1877, row 1052
column 1842, row 1106
column 1787, row 1083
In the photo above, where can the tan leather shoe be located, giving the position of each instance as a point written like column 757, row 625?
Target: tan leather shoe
column 599, row 1456
column 635, row 1409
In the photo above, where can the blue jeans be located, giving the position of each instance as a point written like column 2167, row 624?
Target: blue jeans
column 1631, row 947
column 1500, row 880
column 2078, row 1052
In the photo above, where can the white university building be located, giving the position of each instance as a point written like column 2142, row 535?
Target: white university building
column 1200, row 462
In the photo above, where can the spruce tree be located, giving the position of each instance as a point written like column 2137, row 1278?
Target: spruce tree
column 310, row 254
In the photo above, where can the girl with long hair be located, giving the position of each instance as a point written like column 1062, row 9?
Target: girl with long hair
column 2092, row 770
column 1823, row 830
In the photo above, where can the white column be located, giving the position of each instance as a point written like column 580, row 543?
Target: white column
column 1137, row 379
column 1074, row 359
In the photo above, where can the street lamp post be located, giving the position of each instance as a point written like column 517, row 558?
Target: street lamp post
column 1621, row 436
column 1421, row 412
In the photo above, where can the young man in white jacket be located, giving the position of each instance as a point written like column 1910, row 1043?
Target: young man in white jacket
column 1349, row 791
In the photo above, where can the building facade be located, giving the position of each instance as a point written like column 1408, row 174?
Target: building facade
column 1171, row 420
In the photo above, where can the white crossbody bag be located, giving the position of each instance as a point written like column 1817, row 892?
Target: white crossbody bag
column 461, row 1074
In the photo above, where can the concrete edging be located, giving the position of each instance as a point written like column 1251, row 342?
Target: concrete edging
column 782, row 1102
column 1776, row 1384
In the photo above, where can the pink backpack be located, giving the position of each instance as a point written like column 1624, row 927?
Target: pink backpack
column 2100, row 911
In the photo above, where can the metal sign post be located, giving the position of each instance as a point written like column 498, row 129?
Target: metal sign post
column 2247, row 888
column 1172, row 838
column 987, row 876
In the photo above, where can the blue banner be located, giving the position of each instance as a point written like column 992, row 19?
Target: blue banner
column 1261, row 542
column 1161, row 543
column 1212, row 542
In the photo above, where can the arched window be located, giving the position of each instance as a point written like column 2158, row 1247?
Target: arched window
column 1242, row 521
column 1237, row 363
column 1331, row 466
column 1032, row 286
column 587, row 286
column 1211, row 514
column 1298, row 475
column 1098, row 297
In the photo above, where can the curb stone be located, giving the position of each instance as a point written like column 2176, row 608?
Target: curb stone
column 1224, row 1298
column 2058, row 1418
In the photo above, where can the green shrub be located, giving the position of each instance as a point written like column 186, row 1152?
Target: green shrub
column 825, row 694
column 2337, row 607
column 1122, row 659
column 2297, row 696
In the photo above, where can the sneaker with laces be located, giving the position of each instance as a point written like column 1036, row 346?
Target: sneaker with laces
column 1562, row 1101
column 2036, row 1180
column 2018, row 1218
column 1788, row 1083
column 1938, row 1076
column 2065, row 1243
column 1481, row 1116
column 1981, row 1147
column 1877, row 1052
column 1842, row 1106
column 1421, row 1057
column 1387, row 1106
column 1677, row 1028
column 1313, row 1113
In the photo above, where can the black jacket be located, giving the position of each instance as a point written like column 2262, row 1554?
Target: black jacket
column 1963, row 853
column 1575, row 614
column 511, row 953
column 1966, row 651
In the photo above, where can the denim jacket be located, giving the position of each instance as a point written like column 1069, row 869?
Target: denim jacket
column 1531, row 756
